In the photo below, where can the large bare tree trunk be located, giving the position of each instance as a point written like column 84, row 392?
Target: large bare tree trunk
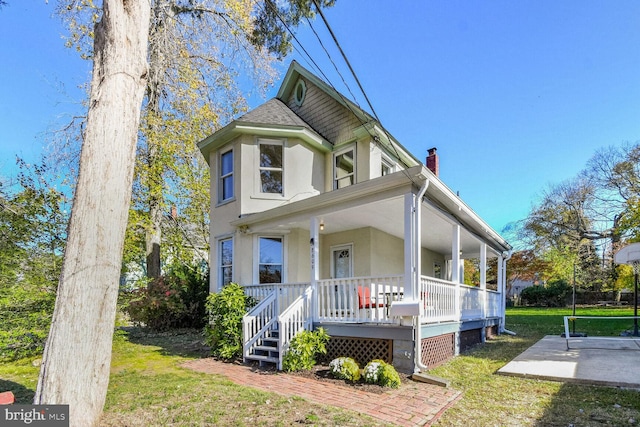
column 77, row 356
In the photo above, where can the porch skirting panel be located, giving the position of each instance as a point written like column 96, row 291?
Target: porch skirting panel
column 362, row 350
column 437, row 350
column 470, row 338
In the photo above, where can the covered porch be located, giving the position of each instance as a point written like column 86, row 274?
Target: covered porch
column 386, row 254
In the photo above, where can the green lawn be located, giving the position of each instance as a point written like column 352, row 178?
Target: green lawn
column 495, row 400
column 148, row 387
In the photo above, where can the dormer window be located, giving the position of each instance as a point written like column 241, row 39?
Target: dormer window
column 344, row 168
column 271, row 166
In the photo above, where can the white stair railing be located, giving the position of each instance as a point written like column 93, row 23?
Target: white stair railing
column 258, row 322
column 295, row 319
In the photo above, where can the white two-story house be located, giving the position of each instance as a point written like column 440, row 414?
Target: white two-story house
column 329, row 221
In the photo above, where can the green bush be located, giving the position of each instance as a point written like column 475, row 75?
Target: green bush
column 224, row 331
column 304, row 348
column 345, row 368
column 379, row 372
column 175, row 300
column 554, row 294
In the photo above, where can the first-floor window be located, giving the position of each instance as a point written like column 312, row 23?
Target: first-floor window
column 226, row 261
column 271, row 259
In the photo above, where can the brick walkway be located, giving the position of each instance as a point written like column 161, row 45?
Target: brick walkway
column 414, row 404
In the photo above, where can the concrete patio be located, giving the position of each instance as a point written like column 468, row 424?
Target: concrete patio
column 598, row 361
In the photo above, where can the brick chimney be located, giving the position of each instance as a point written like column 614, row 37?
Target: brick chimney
column 432, row 161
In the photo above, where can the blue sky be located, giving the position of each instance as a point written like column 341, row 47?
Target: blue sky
column 515, row 95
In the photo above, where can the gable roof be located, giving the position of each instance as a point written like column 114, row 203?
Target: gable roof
column 369, row 125
column 275, row 118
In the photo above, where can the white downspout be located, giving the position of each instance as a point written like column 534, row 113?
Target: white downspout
column 506, row 256
column 417, row 326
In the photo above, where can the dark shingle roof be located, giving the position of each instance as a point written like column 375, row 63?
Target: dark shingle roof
column 274, row 112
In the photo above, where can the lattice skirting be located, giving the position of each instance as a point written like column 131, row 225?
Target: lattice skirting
column 470, row 338
column 437, row 350
column 362, row 350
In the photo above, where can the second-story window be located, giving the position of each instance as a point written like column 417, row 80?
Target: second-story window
column 271, row 167
column 344, row 168
column 225, row 183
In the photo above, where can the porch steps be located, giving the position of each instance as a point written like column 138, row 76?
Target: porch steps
column 267, row 351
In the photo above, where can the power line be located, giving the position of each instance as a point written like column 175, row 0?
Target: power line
column 346, row 60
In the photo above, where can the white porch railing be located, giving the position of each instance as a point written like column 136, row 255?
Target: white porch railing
column 471, row 302
column 287, row 292
column 438, row 299
column 296, row 318
column 261, row 319
column 358, row 299
column 494, row 301
column 367, row 299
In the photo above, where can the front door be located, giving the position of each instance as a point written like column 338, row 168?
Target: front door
column 341, row 267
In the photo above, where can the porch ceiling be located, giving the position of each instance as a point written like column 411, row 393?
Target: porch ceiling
column 386, row 215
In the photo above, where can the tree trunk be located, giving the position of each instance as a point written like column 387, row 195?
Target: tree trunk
column 77, row 356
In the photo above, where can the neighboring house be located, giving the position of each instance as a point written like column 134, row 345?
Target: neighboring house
column 327, row 220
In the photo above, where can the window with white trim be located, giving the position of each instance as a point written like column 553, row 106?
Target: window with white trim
column 226, row 261
column 271, row 166
column 225, row 182
column 386, row 167
column 271, row 259
column 344, row 168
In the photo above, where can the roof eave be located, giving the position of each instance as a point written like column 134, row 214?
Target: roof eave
column 236, row 128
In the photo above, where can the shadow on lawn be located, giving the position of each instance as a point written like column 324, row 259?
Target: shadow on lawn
column 176, row 342
column 583, row 405
column 22, row 394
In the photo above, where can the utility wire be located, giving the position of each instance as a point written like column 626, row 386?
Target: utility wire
column 344, row 56
column 353, row 73
column 326, row 78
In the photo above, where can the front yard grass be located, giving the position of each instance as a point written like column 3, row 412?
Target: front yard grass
column 149, row 388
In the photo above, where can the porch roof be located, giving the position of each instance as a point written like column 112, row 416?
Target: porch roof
column 379, row 203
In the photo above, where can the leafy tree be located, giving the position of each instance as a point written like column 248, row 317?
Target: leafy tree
column 77, row 354
column 76, row 359
column 32, row 236
column 198, row 50
column 574, row 218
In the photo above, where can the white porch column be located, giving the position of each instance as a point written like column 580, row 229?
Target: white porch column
column 455, row 253
column 483, row 278
column 315, row 267
column 455, row 266
column 501, row 289
column 409, row 245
